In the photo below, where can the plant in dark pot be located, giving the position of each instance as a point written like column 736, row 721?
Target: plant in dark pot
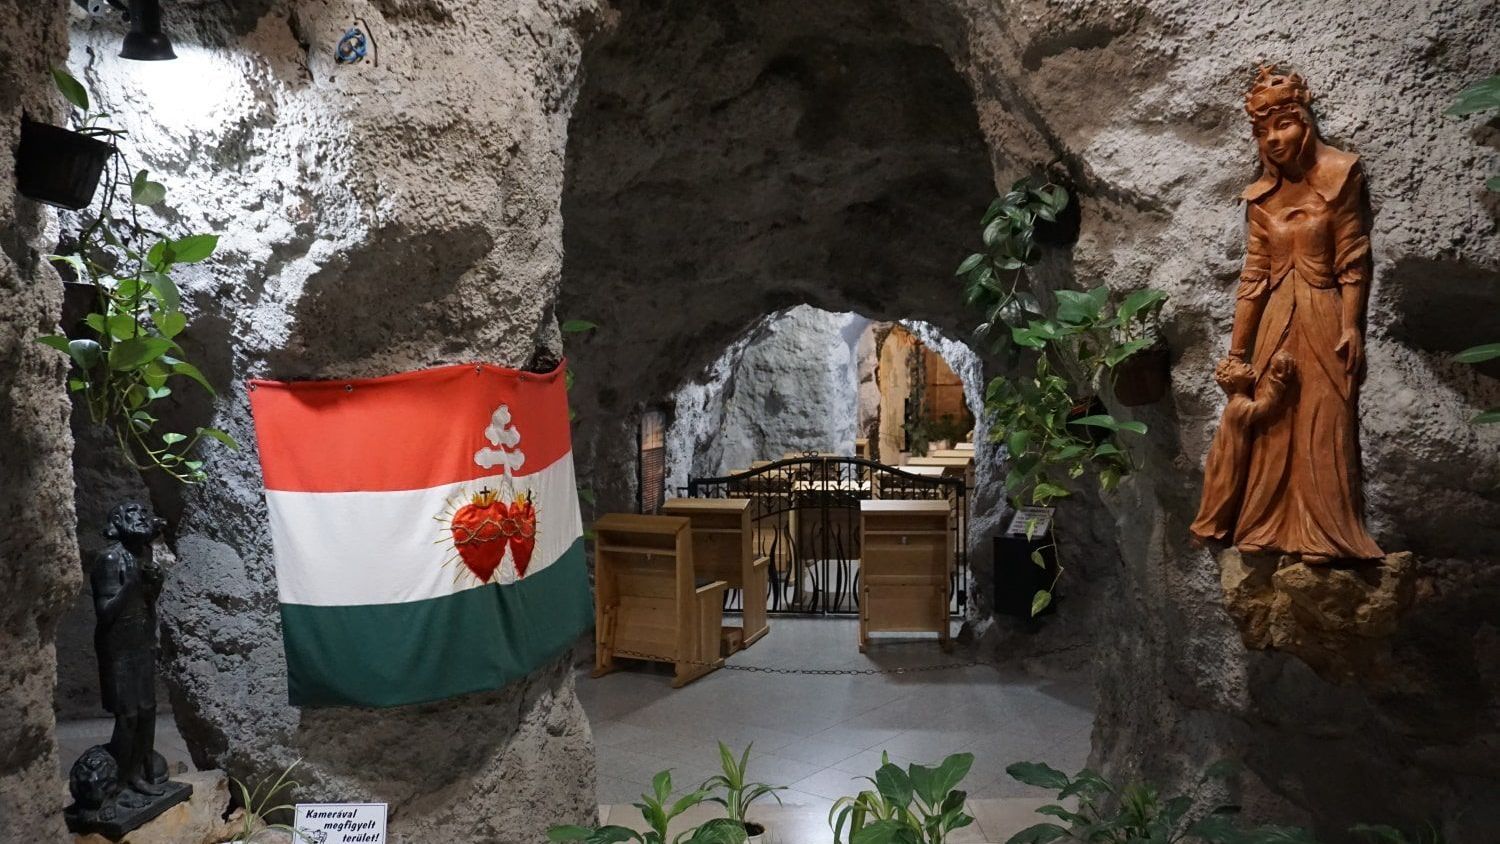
column 125, row 351
column 60, row 166
column 1050, row 417
column 732, row 790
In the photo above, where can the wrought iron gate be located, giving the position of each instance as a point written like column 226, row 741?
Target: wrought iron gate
column 805, row 512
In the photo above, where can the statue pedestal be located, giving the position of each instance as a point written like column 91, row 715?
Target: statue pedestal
column 199, row 820
column 114, row 820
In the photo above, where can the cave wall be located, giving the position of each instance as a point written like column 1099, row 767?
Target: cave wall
column 724, row 164
column 1160, row 158
column 391, row 215
column 39, row 572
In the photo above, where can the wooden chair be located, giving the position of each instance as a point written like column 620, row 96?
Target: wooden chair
column 648, row 603
column 905, row 569
column 723, row 538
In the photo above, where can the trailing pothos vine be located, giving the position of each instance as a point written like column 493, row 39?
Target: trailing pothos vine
column 131, row 358
column 1044, row 418
column 1480, row 97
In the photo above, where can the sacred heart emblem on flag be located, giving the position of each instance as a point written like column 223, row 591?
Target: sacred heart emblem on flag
column 483, row 528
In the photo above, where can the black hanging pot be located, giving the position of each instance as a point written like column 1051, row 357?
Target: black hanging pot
column 1143, row 377
column 1017, row 576
column 80, row 298
column 58, row 166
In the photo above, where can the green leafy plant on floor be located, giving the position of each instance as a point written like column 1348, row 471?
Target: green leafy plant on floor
column 133, row 359
column 919, row 805
column 1483, row 96
column 658, row 809
column 733, row 789
column 1042, row 417
column 1106, row 813
column 259, row 803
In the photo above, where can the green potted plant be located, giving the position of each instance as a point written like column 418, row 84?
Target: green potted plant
column 259, row 803
column 1482, row 96
column 658, row 809
column 918, row 805
column 124, row 351
column 736, row 793
column 1050, row 419
column 60, row 166
column 1105, row 813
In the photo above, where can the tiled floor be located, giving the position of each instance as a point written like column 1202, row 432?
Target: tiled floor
column 818, row 734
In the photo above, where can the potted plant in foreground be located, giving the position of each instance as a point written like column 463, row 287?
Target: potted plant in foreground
column 737, row 794
column 918, row 805
column 658, row 809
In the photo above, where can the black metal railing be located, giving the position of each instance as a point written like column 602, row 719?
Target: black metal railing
column 805, row 515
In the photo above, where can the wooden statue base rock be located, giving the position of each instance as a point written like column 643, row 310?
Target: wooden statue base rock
column 1336, row 618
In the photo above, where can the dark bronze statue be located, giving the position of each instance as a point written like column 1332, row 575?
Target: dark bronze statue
column 121, row 785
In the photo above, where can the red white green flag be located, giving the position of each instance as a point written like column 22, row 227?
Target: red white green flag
column 426, row 531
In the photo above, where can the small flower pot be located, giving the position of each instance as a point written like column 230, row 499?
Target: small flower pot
column 1143, row 377
column 58, row 166
column 79, row 300
column 755, row 833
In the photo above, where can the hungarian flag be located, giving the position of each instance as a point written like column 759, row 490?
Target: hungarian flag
column 426, row 531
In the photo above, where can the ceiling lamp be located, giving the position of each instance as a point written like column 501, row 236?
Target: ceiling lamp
column 146, row 42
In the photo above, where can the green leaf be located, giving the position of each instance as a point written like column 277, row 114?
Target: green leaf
column 1379, row 833
column 1488, row 417
column 182, row 367
column 193, row 248
column 164, row 288
column 73, row 261
column 72, row 90
column 171, row 323
column 578, row 326
column 85, row 353
column 893, row 784
column 1039, row 601
column 143, row 191
column 219, row 435
column 1493, row 183
column 137, row 352
column 1018, row 442
column 1077, row 308
column 1140, row 301
column 969, row 263
column 1479, row 354
column 1039, row 560
column 1045, row 492
column 1481, row 96
column 173, row 438
column 54, row 341
column 1037, row 774
column 1042, row 833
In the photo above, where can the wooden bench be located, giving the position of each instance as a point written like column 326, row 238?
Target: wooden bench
column 905, row 568
column 723, row 538
column 648, row 603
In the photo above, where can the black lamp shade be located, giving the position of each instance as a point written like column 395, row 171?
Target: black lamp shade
column 146, row 42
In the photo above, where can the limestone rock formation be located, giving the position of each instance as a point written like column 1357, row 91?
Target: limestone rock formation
column 1339, row 620
column 198, row 821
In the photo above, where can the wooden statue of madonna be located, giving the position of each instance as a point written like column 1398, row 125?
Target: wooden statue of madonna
column 1283, row 473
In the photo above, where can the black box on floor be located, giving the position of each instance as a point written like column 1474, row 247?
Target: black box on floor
column 1017, row 576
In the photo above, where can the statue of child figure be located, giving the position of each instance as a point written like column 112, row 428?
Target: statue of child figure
column 1225, row 473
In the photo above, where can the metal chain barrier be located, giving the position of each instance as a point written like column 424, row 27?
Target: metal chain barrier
column 816, row 672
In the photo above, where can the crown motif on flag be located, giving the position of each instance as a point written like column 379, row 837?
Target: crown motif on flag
column 1273, row 92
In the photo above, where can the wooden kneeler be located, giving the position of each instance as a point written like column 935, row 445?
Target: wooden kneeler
column 723, row 549
column 647, row 603
column 906, row 560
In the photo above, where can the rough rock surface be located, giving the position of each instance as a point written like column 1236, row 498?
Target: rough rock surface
column 38, row 557
column 374, row 218
column 792, row 387
column 725, row 162
column 198, row 821
column 1337, row 619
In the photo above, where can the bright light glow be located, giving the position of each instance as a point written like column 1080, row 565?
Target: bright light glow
column 195, row 93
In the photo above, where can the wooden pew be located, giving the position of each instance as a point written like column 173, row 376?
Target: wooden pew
column 958, row 467
column 963, row 453
column 905, row 567
column 647, row 602
column 723, row 550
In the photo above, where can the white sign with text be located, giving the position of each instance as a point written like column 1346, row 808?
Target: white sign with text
column 1031, row 522
column 340, row 823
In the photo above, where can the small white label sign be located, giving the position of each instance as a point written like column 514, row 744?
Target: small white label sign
column 1038, row 519
column 340, row 823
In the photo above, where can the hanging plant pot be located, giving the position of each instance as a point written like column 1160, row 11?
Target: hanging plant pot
column 80, row 298
column 58, row 166
column 1143, row 377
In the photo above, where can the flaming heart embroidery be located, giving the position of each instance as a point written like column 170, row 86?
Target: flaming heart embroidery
column 490, row 522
